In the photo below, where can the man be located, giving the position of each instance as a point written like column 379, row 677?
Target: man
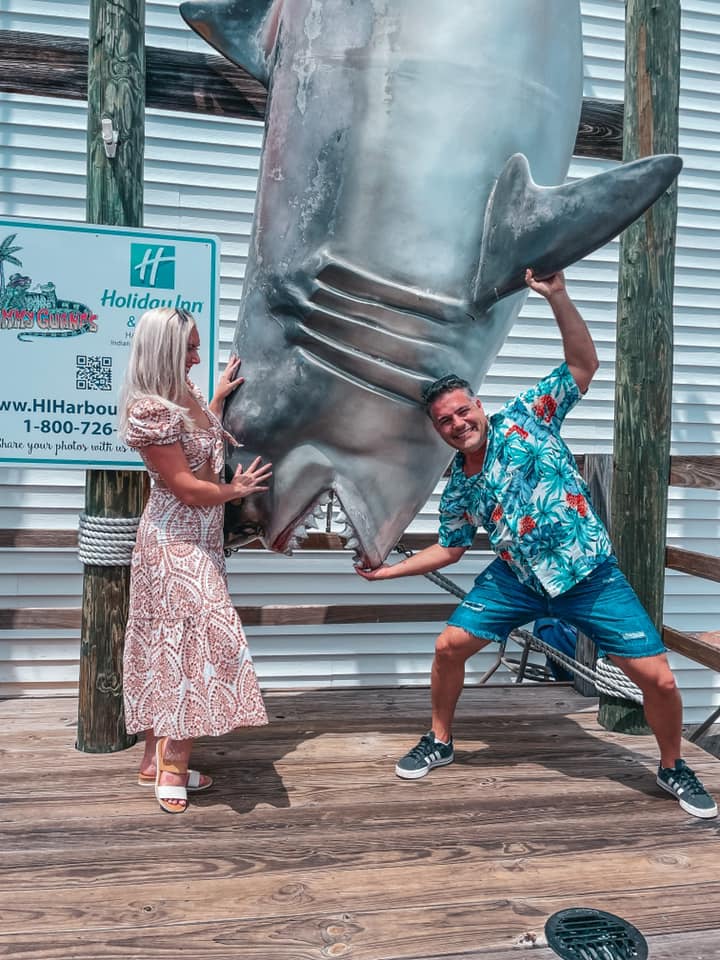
column 515, row 476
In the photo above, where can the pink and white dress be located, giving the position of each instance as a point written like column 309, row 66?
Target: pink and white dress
column 187, row 668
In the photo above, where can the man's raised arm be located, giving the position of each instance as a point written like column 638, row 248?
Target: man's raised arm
column 580, row 354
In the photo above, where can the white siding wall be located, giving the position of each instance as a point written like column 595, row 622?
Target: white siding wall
column 200, row 176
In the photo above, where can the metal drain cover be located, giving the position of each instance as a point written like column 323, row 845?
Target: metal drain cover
column 585, row 934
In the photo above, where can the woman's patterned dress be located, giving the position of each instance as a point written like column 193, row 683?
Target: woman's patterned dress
column 187, row 667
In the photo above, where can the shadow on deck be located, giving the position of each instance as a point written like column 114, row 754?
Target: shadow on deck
column 309, row 848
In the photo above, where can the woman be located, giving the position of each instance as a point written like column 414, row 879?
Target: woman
column 187, row 668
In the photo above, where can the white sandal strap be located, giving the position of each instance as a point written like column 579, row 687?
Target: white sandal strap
column 166, row 791
column 193, row 778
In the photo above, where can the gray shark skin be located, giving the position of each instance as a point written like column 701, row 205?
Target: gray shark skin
column 395, row 216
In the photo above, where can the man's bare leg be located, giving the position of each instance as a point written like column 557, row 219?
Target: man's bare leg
column 453, row 648
column 661, row 701
column 663, row 710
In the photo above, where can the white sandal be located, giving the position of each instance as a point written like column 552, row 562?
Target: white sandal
column 165, row 791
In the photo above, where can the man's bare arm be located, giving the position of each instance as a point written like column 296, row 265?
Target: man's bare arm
column 580, row 354
column 427, row 560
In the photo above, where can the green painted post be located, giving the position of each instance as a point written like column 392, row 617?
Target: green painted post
column 116, row 91
column 645, row 323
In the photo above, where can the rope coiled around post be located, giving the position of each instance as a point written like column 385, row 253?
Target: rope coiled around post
column 106, row 541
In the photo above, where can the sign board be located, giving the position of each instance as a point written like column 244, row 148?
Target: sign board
column 70, row 297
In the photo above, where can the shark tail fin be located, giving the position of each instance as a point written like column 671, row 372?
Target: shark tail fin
column 549, row 228
column 242, row 30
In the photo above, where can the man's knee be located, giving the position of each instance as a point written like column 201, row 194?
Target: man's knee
column 454, row 643
column 651, row 674
column 664, row 682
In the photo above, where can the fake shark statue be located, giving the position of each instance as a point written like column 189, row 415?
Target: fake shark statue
column 395, row 217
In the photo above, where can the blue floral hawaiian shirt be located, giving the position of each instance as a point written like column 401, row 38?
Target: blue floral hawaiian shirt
column 529, row 495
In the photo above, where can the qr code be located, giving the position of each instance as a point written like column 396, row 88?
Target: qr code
column 93, row 373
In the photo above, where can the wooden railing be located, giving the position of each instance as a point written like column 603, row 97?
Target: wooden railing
column 704, row 648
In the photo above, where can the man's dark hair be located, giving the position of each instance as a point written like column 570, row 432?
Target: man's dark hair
column 446, row 384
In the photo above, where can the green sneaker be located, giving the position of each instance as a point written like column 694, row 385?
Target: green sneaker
column 683, row 784
column 428, row 753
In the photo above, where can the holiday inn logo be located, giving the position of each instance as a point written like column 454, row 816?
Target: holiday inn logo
column 152, row 266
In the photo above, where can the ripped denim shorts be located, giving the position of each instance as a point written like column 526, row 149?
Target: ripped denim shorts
column 603, row 605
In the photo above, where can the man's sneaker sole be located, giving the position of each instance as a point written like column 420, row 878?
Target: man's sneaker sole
column 704, row 813
column 423, row 771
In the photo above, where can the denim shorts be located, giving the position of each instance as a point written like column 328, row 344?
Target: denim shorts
column 603, row 605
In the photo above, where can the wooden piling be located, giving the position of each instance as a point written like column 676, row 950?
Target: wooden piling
column 116, row 90
column 645, row 328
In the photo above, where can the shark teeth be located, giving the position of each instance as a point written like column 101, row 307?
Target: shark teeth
column 315, row 519
column 347, row 530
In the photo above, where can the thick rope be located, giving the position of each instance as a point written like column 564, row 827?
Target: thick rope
column 106, row 541
column 607, row 678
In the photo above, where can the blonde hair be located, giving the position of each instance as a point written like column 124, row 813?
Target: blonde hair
column 156, row 368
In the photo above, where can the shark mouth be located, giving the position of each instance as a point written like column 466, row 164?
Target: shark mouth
column 325, row 515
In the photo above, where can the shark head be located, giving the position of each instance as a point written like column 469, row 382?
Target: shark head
column 396, row 214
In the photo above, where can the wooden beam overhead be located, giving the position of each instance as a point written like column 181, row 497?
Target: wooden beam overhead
column 36, row 64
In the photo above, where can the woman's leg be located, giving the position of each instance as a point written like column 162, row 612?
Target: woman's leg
column 196, row 783
column 147, row 764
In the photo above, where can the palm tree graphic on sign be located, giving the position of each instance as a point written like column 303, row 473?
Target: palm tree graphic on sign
column 6, row 256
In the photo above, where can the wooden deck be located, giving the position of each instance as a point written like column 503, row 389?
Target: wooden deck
column 309, row 848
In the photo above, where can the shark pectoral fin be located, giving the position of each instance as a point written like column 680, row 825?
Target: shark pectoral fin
column 241, row 30
column 549, row 228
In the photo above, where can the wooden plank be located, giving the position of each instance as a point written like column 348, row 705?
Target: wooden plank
column 695, row 472
column 272, row 615
column 40, row 65
column 402, row 883
column 600, row 132
column 56, row 539
column 36, row 64
column 695, row 945
column 43, row 539
column 696, row 564
column 487, row 930
column 703, row 648
column 28, row 845
column 319, row 708
column 45, row 618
